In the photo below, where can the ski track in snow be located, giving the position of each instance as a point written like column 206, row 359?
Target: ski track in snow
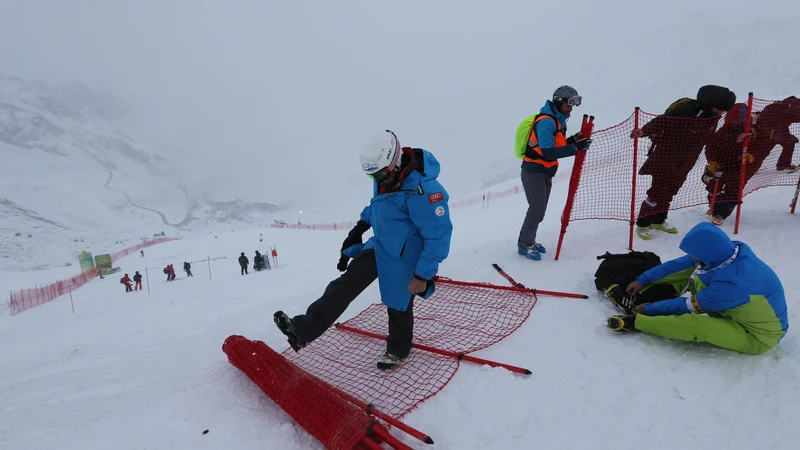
column 132, row 371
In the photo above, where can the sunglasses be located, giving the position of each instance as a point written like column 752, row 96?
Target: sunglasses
column 381, row 175
column 575, row 100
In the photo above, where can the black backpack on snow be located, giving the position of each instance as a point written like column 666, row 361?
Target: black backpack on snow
column 623, row 268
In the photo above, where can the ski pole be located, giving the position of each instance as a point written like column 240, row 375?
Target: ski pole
column 459, row 356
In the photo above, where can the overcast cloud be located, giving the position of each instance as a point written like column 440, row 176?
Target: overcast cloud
column 282, row 93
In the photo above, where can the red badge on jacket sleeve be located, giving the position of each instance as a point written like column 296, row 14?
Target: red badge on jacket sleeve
column 435, row 197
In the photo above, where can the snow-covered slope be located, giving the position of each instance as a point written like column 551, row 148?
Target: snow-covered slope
column 67, row 175
column 138, row 371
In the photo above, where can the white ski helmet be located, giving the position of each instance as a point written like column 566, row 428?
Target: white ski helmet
column 381, row 153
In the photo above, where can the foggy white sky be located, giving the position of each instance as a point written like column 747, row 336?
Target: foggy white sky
column 287, row 91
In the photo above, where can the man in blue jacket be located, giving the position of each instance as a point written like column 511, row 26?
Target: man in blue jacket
column 736, row 301
column 410, row 220
column 547, row 144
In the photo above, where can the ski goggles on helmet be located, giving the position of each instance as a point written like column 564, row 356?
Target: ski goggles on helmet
column 381, row 175
column 575, row 100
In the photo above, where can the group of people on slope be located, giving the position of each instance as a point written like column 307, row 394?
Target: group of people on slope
column 736, row 300
column 260, row 262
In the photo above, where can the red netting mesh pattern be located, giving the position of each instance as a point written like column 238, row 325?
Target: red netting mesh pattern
column 604, row 190
column 335, row 422
column 776, row 126
column 672, row 159
column 456, row 317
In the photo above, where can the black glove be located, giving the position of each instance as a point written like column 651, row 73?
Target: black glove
column 574, row 138
column 583, row 144
column 353, row 238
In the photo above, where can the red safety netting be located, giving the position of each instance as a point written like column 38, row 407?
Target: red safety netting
column 457, row 317
column 313, row 404
column 25, row 299
column 685, row 162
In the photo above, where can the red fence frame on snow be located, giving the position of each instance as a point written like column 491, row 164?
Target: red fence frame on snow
column 26, row 299
column 332, row 388
column 743, row 188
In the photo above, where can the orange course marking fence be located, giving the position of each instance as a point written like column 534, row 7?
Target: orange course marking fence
column 26, row 299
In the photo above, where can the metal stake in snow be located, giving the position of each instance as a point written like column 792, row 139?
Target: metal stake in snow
column 147, row 277
column 70, row 298
column 208, row 261
column 534, row 291
column 459, row 356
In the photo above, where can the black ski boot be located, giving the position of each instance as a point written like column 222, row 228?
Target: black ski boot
column 622, row 323
column 620, row 298
column 389, row 361
column 286, row 325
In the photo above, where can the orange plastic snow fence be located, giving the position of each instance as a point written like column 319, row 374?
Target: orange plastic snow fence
column 312, row 403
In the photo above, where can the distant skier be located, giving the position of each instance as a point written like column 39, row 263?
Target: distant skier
column 137, row 278
column 171, row 272
column 142, row 252
column 127, row 282
column 736, row 300
column 187, row 268
column 410, row 219
column 243, row 262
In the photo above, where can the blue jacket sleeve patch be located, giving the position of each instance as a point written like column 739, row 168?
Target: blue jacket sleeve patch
column 431, row 214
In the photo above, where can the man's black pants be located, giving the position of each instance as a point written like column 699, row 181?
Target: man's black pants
column 321, row 314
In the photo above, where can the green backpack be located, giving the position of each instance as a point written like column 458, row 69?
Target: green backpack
column 523, row 136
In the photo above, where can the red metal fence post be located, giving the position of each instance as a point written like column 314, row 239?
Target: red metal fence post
column 574, row 181
column 633, row 179
column 747, row 123
column 459, row 356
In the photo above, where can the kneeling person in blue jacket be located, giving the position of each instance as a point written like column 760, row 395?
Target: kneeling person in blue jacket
column 410, row 220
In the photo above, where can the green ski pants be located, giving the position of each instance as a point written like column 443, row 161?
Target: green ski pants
column 719, row 331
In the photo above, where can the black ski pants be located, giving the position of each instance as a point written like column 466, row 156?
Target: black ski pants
column 244, row 269
column 324, row 312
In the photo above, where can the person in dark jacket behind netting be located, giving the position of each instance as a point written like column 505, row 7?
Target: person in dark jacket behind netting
column 678, row 137
column 724, row 156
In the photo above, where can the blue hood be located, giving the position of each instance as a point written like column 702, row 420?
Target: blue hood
column 708, row 243
column 431, row 165
column 550, row 109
